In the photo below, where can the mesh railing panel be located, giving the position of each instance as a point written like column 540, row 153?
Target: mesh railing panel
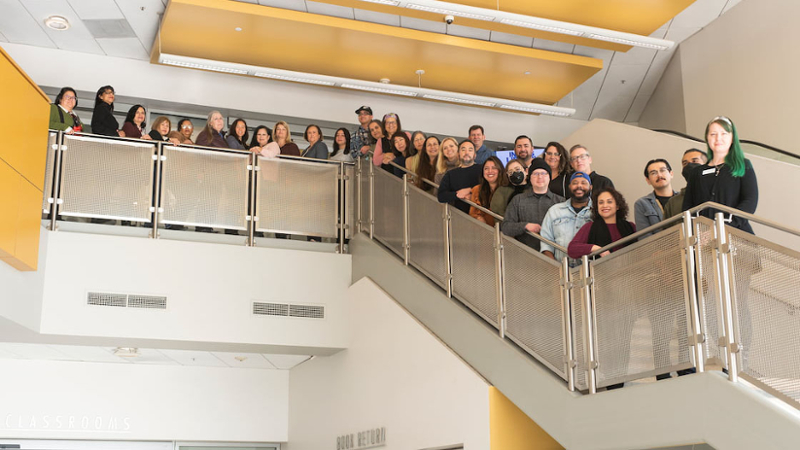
column 297, row 197
column 349, row 200
column 766, row 282
column 707, row 291
column 473, row 264
column 48, row 172
column 640, row 310
column 388, row 212
column 106, row 179
column 426, row 234
column 579, row 337
column 204, row 188
column 534, row 310
column 363, row 186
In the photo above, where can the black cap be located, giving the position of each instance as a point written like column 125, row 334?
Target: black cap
column 538, row 163
column 364, row 108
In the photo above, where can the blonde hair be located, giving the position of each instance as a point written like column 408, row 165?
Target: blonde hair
column 288, row 133
column 441, row 162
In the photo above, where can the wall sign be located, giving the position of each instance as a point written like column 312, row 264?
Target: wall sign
column 63, row 422
column 374, row 437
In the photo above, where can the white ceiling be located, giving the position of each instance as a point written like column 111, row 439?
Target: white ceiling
column 9, row 350
column 619, row 92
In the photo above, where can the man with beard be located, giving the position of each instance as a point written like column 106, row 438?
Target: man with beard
column 457, row 184
column 523, row 148
column 649, row 210
column 691, row 158
column 563, row 220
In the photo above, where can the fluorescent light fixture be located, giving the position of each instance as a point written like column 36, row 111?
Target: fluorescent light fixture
column 204, row 67
column 452, row 12
column 126, row 352
column 552, row 111
column 542, row 27
column 378, row 89
column 276, row 76
column 619, row 40
column 384, row 2
column 466, row 101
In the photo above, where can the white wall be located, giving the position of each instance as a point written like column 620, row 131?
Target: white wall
column 141, row 402
column 394, row 375
column 21, row 292
column 140, row 79
column 665, row 109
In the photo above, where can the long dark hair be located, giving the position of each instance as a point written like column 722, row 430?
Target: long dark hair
column 425, row 167
column 232, row 132
column 485, row 192
column 336, row 148
column 132, row 114
column 61, row 93
column 622, row 212
column 413, row 150
column 254, row 141
column 394, row 116
column 563, row 160
column 372, row 140
column 403, row 136
column 100, row 92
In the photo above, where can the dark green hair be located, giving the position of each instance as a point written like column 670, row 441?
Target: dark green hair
column 735, row 157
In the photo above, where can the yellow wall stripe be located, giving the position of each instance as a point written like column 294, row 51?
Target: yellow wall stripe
column 512, row 429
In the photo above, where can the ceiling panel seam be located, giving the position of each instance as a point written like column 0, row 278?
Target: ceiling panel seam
column 591, row 111
column 41, row 25
column 639, row 89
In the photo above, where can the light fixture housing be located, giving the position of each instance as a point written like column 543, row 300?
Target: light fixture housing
column 126, row 352
column 58, row 23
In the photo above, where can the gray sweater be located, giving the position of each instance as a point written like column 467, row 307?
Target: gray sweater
column 317, row 151
column 527, row 208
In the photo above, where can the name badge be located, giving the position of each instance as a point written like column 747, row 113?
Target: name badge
column 708, row 171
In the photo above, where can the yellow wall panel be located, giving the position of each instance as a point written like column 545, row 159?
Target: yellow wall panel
column 25, row 137
column 9, row 204
column 512, row 429
column 28, row 225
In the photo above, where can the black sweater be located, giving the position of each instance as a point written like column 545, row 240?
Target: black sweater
column 459, row 178
column 103, row 121
column 740, row 193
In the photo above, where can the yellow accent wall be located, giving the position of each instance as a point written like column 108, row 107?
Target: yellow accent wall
column 512, row 429
column 23, row 151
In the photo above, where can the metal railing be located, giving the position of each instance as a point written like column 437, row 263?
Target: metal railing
column 696, row 293
column 160, row 185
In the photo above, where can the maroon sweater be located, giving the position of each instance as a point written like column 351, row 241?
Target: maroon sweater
column 580, row 245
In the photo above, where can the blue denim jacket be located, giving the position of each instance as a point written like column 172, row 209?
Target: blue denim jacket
column 561, row 224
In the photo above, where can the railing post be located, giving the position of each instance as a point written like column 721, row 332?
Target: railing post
column 371, row 200
column 159, row 158
column 588, row 326
column 342, row 207
column 359, row 195
column 252, row 217
column 730, row 338
column 406, row 212
column 448, row 237
column 566, row 313
column 499, row 279
column 694, row 324
column 56, row 192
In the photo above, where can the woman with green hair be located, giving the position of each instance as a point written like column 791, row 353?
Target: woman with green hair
column 727, row 178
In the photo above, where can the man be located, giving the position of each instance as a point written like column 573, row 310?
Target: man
column 649, row 210
column 359, row 144
column 523, row 148
column 691, row 158
column 482, row 153
column 563, row 220
column 581, row 161
column 527, row 210
column 457, row 184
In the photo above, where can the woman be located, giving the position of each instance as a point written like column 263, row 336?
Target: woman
column 727, row 178
column 186, row 129
column 417, row 148
column 341, row 146
column 379, row 146
column 493, row 175
column 62, row 112
column 426, row 164
column 103, row 121
column 283, row 137
column 317, row 149
column 449, row 158
column 260, row 142
column 401, row 148
column 517, row 183
column 134, row 125
column 211, row 135
column 160, row 130
column 237, row 135
column 609, row 224
column 555, row 155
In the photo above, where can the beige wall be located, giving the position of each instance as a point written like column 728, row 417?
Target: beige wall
column 743, row 65
column 666, row 110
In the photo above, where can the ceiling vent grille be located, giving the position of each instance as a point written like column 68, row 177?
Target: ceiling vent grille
column 126, row 300
column 289, row 310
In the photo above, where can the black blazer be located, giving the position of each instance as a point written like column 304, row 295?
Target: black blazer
column 103, row 121
column 740, row 193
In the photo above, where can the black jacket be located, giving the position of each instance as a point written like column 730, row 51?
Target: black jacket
column 103, row 121
column 740, row 193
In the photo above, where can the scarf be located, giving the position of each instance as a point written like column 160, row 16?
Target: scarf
column 600, row 235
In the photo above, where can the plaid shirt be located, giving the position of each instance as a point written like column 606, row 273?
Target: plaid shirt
column 359, row 139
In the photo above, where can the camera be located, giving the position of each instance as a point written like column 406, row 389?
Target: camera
column 448, row 19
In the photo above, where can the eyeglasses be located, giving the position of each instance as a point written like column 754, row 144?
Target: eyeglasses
column 579, row 157
column 186, row 127
column 556, row 154
column 662, row 171
column 70, row 97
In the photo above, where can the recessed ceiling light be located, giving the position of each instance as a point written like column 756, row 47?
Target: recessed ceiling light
column 57, row 23
column 238, row 28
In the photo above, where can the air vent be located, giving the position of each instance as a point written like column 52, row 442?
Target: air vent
column 109, row 28
column 126, row 300
column 289, row 310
